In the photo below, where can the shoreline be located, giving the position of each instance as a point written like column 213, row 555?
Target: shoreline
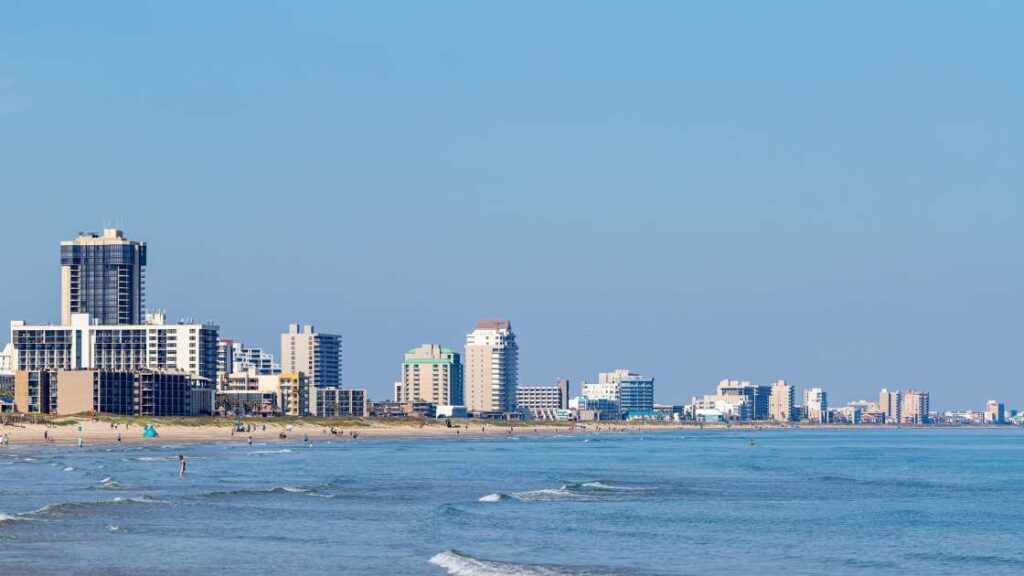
column 106, row 431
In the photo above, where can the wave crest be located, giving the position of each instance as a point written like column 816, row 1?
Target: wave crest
column 459, row 564
column 580, row 491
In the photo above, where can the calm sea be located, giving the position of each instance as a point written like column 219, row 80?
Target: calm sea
column 796, row 502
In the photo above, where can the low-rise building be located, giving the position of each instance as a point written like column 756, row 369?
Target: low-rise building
column 449, row 411
column 595, row 408
column 730, row 406
column 337, row 402
column 539, row 401
column 137, row 393
column 630, row 392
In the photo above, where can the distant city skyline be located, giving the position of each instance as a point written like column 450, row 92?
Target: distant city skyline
column 767, row 197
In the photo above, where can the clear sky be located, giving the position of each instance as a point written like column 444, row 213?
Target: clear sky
column 826, row 192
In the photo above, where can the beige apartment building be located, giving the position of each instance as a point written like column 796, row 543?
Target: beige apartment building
column 781, row 401
column 491, row 367
column 431, row 373
column 315, row 354
column 915, row 407
column 890, row 403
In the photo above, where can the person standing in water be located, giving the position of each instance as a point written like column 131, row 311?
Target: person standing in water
column 181, row 465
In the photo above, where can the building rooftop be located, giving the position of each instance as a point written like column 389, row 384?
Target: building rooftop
column 493, row 325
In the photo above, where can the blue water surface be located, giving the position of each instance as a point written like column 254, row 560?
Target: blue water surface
column 680, row 502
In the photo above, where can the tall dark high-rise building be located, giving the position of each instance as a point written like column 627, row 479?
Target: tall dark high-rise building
column 103, row 276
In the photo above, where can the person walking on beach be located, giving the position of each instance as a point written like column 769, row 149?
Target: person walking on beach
column 181, row 465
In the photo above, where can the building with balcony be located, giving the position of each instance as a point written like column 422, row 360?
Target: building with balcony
column 431, row 373
column 315, row 354
column 103, row 276
column 491, row 367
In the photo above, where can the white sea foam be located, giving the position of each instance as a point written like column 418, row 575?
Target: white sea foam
column 69, row 469
column 138, row 500
column 459, row 564
column 264, row 452
column 9, row 518
column 598, row 485
column 585, row 491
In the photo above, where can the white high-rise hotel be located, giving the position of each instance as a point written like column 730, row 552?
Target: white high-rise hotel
column 492, row 367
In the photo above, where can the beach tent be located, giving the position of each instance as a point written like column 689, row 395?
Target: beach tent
column 149, row 432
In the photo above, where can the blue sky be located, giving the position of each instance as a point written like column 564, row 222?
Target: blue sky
column 829, row 193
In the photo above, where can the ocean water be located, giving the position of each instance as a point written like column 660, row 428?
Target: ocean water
column 796, row 502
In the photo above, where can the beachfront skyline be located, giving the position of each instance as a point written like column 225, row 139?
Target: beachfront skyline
column 703, row 198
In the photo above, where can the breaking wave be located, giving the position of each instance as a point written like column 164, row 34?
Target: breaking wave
column 459, row 564
column 579, row 491
column 58, row 509
column 308, row 491
column 10, row 518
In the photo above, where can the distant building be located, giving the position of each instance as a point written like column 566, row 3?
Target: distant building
column 541, row 402
column 7, row 359
column 32, row 391
column 134, row 393
column 890, row 403
column 846, row 414
column 915, row 407
column 995, row 412
column 631, row 392
column 759, row 396
column 491, row 367
column 315, row 354
column 292, row 393
column 595, row 408
column 448, row 411
column 431, row 373
column 713, row 407
column 156, row 345
column 103, row 276
column 387, row 409
column 780, row 401
column 234, row 357
column 816, row 405
column 7, row 385
column 334, row 402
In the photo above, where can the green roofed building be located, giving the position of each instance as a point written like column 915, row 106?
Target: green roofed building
column 431, row 373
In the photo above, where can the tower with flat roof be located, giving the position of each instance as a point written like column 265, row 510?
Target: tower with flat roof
column 103, row 275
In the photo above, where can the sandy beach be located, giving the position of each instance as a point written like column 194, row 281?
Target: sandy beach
column 108, row 431
column 221, row 430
